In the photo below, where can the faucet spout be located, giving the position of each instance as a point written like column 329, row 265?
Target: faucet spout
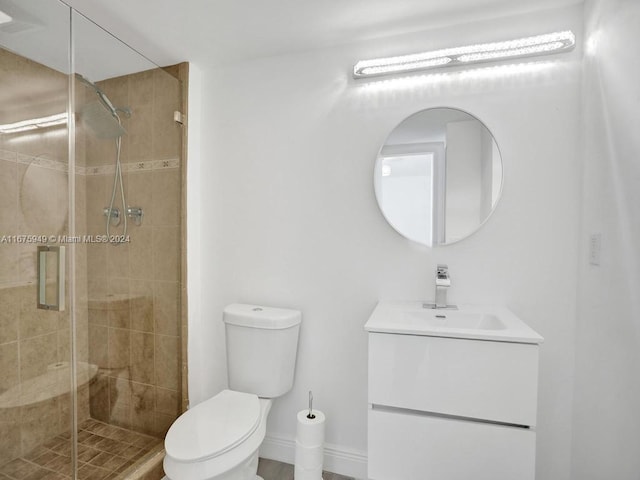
column 443, row 282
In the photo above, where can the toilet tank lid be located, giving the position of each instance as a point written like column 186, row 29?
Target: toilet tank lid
column 257, row 316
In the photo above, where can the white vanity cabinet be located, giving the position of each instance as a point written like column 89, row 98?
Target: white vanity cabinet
column 449, row 408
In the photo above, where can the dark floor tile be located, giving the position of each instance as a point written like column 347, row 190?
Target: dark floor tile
column 45, row 458
column 93, row 440
column 89, row 472
column 41, row 474
column 63, row 448
column 131, row 451
column 111, row 446
column 61, row 465
column 18, row 469
column 114, row 463
column 87, row 454
column 83, row 435
column 35, row 453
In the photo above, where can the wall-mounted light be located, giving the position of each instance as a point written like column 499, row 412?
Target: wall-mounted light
column 470, row 54
column 4, row 18
column 34, row 123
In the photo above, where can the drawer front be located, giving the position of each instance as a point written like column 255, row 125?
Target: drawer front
column 495, row 381
column 404, row 446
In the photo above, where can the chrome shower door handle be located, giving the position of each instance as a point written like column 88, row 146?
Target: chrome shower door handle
column 51, row 278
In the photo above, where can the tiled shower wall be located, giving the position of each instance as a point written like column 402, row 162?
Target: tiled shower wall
column 133, row 288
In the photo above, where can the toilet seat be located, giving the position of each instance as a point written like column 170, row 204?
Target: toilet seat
column 213, row 427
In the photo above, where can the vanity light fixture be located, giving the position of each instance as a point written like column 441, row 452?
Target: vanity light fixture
column 470, row 54
column 34, row 123
column 4, row 18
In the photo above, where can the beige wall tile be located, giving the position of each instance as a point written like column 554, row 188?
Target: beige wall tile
column 9, row 314
column 97, row 259
column 10, row 442
column 141, row 89
column 118, row 260
column 162, row 423
column 142, row 312
column 9, row 261
column 165, row 308
column 40, row 422
column 166, row 135
column 9, row 365
column 139, row 134
column 119, row 315
column 36, row 354
column 33, row 321
column 141, row 254
column 119, row 347
column 142, row 357
column 166, row 355
column 140, row 194
column 166, row 253
column 167, row 401
column 98, row 348
column 166, row 195
column 8, row 198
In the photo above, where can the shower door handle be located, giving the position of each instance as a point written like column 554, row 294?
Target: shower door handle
column 51, row 278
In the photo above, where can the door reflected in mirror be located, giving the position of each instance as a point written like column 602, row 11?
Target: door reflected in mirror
column 438, row 176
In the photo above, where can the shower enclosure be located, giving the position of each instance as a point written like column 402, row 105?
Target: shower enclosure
column 90, row 249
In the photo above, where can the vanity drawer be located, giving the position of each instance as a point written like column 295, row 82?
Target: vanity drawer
column 404, row 446
column 488, row 380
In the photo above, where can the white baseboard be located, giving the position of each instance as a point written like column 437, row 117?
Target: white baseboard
column 337, row 459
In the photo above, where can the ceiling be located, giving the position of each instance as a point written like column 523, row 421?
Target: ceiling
column 228, row 31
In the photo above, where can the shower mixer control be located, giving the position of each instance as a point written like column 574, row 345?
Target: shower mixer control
column 113, row 214
column 136, row 213
column 132, row 212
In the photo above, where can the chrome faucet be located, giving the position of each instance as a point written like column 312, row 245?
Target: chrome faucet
column 443, row 282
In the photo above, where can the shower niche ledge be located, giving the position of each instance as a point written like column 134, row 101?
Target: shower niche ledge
column 465, row 391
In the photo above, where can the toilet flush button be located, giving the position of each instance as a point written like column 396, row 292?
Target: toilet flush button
column 257, row 309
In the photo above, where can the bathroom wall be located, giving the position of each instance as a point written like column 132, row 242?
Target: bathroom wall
column 607, row 394
column 133, row 288
column 289, row 218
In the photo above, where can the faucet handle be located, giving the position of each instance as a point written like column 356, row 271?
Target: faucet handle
column 442, row 271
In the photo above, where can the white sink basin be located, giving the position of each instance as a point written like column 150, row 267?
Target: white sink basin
column 473, row 322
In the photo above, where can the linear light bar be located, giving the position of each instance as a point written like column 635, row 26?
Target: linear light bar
column 32, row 124
column 4, row 18
column 486, row 52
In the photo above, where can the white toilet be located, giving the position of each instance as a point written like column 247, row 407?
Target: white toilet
column 219, row 438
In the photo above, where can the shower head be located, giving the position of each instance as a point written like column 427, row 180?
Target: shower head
column 101, row 117
column 100, row 121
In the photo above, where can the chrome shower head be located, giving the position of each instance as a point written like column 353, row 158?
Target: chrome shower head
column 101, row 117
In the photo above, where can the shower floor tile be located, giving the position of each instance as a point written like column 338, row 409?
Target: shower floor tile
column 104, row 451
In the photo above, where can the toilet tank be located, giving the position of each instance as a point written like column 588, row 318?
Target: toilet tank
column 262, row 344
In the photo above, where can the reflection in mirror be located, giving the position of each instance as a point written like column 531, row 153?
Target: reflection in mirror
column 438, row 176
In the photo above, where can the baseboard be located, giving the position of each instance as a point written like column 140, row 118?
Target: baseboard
column 337, row 459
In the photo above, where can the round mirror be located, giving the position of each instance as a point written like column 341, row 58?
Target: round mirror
column 438, row 176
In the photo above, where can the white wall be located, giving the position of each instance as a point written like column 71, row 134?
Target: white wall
column 607, row 395
column 289, row 217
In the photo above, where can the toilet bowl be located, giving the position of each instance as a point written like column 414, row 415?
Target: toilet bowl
column 219, row 438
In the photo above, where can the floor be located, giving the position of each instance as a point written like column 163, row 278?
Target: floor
column 272, row 470
column 104, row 452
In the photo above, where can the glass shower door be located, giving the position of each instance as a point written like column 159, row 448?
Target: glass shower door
column 36, row 401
